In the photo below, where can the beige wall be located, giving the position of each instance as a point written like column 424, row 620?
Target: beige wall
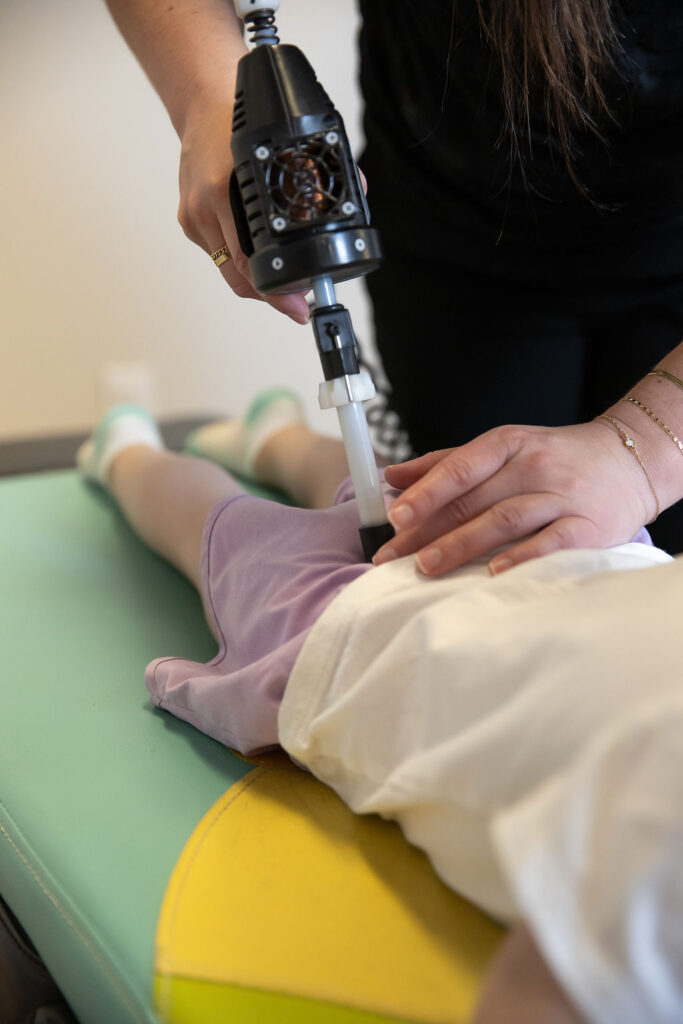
column 94, row 269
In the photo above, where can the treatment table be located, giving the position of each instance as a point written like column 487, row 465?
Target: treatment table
column 159, row 876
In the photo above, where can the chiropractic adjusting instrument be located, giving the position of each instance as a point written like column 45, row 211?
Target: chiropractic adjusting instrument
column 303, row 222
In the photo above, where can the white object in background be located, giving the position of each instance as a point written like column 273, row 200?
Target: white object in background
column 134, row 382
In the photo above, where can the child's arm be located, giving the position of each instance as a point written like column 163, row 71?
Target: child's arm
column 520, row 988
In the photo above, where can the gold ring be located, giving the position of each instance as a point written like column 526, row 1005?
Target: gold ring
column 221, row 256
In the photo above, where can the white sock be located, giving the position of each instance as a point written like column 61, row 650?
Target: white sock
column 235, row 444
column 123, row 426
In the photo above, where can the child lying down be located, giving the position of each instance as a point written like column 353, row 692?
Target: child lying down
column 524, row 729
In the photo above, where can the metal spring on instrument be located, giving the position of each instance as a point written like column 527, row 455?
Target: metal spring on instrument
column 261, row 24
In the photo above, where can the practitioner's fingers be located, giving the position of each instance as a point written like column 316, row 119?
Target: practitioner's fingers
column 508, row 520
column 236, row 273
column 404, row 474
column 566, row 532
column 556, row 488
column 201, row 226
column 204, row 212
column 409, row 541
column 452, row 515
column 450, row 474
column 230, row 269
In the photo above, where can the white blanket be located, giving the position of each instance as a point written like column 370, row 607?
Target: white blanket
column 526, row 731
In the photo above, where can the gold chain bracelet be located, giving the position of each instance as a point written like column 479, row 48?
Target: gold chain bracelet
column 660, row 423
column 631, row 445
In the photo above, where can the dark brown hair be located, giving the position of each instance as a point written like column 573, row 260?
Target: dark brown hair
column 558, row 51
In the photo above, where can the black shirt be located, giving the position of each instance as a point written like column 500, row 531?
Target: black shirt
column 443, row 184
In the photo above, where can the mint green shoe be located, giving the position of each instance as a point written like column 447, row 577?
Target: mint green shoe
column 235, row 444
column 123, row 425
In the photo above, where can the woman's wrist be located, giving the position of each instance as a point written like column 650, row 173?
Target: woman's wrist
column 200, row 105
column 207, row 89
column 637, row 488
column 653, row 420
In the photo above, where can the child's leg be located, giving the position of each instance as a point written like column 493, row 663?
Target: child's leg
column 166, row 498
column 307, row 466
column 272, row 443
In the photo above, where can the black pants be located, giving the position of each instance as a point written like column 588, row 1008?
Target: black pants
column 507, row 296
column 463, row 356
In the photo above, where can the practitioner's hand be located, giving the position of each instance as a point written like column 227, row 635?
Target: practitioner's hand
column 534, row 488
column 205, row 214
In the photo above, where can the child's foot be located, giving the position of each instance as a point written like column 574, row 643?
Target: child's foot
column 124, row 425
column 236, row 444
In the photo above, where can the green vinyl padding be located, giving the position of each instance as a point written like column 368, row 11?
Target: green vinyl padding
column 99, row 791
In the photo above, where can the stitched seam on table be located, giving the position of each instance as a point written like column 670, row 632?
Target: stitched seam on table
column 165, row 994
column 78, row 931
column 257, row 773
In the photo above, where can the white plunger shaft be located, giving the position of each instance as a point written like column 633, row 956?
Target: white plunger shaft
column 356, row 437
column 362, row 465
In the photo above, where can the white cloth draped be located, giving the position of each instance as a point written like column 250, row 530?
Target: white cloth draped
column 526, row 731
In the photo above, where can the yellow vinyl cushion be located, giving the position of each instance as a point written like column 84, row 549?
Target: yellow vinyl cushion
column 286, row 906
